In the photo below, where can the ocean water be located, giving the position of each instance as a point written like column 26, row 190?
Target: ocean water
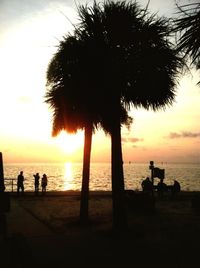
column 68, row 176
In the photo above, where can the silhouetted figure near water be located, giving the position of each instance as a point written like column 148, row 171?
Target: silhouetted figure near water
column 147, row 185
column 36, row 183
column 161, row 187
column 44, row 183
column 176, row 187
column 20, row 182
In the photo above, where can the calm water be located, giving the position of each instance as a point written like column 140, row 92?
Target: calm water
column 68, row 176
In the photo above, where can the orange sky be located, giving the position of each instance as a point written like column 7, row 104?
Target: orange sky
column 29, row 34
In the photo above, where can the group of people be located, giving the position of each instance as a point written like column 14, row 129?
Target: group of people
column 147, row 186
column 44, row 182
column 37, row 183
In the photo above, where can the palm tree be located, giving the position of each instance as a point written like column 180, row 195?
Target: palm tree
column 74, row 102
column 134, row 65
column 122, row 57
column 188, row 25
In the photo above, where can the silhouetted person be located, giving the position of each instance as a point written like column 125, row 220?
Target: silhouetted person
column 176, row 187
column 161, row 187
column 20, row 182
column 36, row 182
column 44, row 183
column 147, row 185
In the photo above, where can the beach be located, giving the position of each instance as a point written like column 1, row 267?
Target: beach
column 48, row 228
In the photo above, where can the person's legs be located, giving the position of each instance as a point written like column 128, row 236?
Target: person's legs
column 36, row 189
column 22, row 187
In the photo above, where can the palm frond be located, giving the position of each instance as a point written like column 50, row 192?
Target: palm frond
column 188, row 25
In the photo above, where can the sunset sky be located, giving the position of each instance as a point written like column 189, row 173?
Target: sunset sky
column 29, row 33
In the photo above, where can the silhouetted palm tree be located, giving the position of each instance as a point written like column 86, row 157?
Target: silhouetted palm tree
column 133, row 64
column 188, row 25
column 122, row 57
column 75, row 102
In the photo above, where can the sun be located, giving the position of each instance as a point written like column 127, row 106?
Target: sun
column 70, row 143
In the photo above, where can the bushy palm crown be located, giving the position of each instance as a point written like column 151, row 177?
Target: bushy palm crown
column 117, row 53
column 66, row 93
column 73, row 93
column 189, row 27
column 136, row 62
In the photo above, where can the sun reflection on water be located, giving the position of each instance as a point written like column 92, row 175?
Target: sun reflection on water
column 68, row 177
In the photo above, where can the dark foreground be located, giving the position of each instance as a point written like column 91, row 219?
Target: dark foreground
column 44, row 231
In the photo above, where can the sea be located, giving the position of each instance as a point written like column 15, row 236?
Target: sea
column 68, row 176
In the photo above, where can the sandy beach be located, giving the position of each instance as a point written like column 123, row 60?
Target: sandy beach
column 168, row 235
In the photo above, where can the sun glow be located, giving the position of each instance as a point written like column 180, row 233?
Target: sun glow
column 70, row 143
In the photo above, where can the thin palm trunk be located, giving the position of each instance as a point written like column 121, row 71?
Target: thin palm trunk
column 118, row 193
column 86, row 175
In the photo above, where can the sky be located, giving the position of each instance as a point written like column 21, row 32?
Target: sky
column 30, row 30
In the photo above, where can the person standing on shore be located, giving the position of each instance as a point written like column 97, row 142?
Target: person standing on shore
column 147, row 185
column 37, row 179
column 161, row 188
column 44, row 183
column 20, row 182
column 176, row 187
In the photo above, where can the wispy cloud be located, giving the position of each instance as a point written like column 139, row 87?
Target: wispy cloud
column 184, row 134
column 131, row 140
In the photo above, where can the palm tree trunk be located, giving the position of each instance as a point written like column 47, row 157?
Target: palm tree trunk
column 84, row 215
column 118, row 193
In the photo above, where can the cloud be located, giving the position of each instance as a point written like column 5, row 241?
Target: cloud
column 131, row 140
column 135, row 146
column 184, row 134
column 174, row 135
